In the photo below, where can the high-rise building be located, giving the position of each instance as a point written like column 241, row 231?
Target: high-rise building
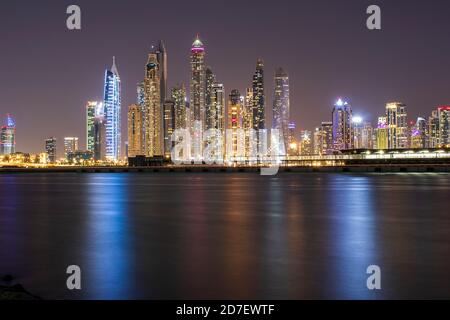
column 234, row 124
column 292, row 141
column 327, row 137
column 216, row 117
column 70, row 146
column 281, row 105
column 93, row 110
column 112, row 104
column 367, row 136
column 135, row 123
column 179, row 99
column 259, row 98
column 209, row 112
column 418, row 134
column 169, row 127
column 306, row 143
column 342, row 126
column 50, row 149
column 433, row 130
column 382, row 131
column 397, row 125
column 161, row 55
column 99, row 150
column 8, row 136
column 154, row 140
column 198, row 82
column 443, row 115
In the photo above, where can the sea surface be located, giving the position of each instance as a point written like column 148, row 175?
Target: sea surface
column 227, row 236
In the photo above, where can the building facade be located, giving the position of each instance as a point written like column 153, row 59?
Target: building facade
column 281, row 105
column 135, row 124
column 342, row 126
column 8, row 136
column 112, row 103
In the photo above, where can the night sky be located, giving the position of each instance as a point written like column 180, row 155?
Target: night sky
column 48, row 73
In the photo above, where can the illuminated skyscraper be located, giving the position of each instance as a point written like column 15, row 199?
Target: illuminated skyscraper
column 135, row 123
column 367, row 136
column 342, row 126
column 397, row 125
column 99, row 137
column 179, row 99
column 169, row 127
column 281, row 105
column 198, row 81
column 443, row 115
column 161, row 54
column 306, row 143
column 327, row 132
column 217, row 109
column 93, row 110
column 259, row 98
column 209, row 112
column 8, row 136
column 418, row 134
column 234, row 124
column 50, row 148
column 154, row 140
column 112, row 104
column 70, row 146
column 433, row 130
column 382, row 134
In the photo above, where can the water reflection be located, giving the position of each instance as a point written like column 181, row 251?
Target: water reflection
column 109, row 253
column 353, row 236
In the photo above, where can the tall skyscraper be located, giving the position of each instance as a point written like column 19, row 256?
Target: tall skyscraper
column 8, row 136
column 234, row 124
column 259, row 98
column 217, row 109
column 209, row 112
column 50, row 149
column 433, row 130
column 397, row 125
column 367, row 136
column 281, row 105
column 342, row 126
column 444, row 126
column 93, row 110
column 135, row 123
column 418, row 134
column 169, row 127
column 327, row 132
column 112, row 104
column 306, row 143
column 161, row 54
column 154, row 140
column 179, row 99
column 70, row 146
column 198, row 82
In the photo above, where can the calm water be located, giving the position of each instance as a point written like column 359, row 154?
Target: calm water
column 227, row 236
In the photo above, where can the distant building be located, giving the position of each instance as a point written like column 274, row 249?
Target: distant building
column 70, row 145
column 50, row 149
column 418, row 134
column 8, row 136
column 443, row 115
column 382, row 131
column 306, row 143
column 234, row 124
column 80, row 157
column 342, row 126
column 179, row 99
column 259, row 97
column 397, row 125
column 135, row 123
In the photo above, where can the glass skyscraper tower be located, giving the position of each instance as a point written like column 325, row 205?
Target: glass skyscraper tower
column 112, row 104
column 281, row 105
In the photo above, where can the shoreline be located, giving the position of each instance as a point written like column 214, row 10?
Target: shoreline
column 379, row 168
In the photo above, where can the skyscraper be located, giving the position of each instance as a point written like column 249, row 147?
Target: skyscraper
column 382, row 134
column 444, row 126
column 342, row 126
column 99, row 137
column 93, row 110
column 135, row 123
column 8, row 136
column 234, row 124
column 259, row 98
column 112, row 104
column 209, row 112
column 327, row 132
column 217, row 109
column 153, row 108
column 161, row 54
column 169, row 127
column 50, row 149
column 418, row 134
column 198, row 82
column 70, row 146
column 281, row 105
column 179, row 99
column 397, row 125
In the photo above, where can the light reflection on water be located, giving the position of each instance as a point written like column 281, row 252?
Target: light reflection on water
column 227, row 236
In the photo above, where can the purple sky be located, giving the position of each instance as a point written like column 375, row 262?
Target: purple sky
column 47, row 73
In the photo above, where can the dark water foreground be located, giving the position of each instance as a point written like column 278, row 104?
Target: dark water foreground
column 227, row 236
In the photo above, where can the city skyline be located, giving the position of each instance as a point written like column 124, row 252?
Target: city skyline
column 315, row 81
